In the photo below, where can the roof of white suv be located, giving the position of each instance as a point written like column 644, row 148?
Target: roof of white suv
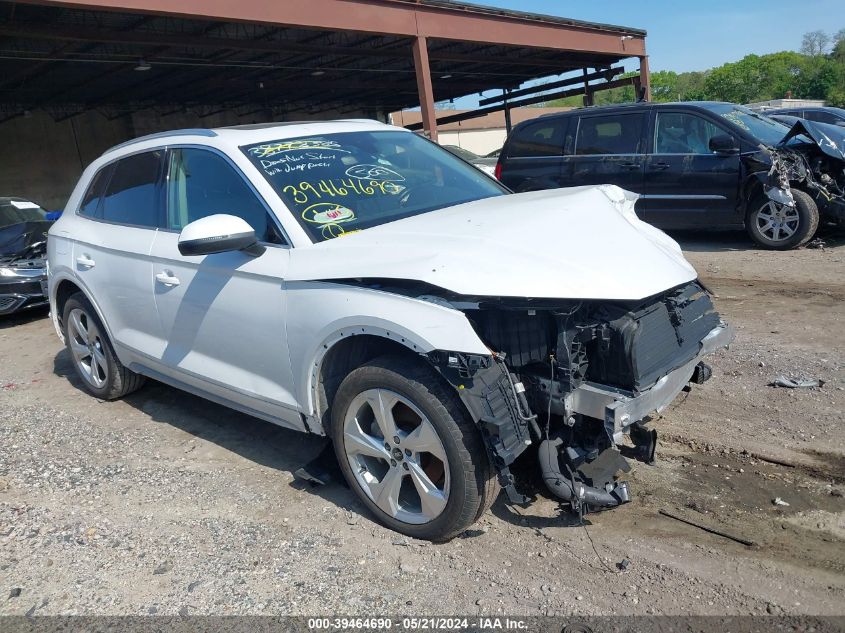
column 258, row 132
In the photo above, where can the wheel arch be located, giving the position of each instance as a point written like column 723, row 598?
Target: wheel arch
column 320, row 315
column 346, row 350
column 751, row 188
column 64, row 288
column 754, row 186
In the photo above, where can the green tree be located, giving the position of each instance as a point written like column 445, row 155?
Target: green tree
column 836, row 92
column 812, row 74
column 815, row 43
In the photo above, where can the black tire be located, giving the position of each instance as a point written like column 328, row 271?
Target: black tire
column 118, row 380
column 473, row 485
column 807, row 222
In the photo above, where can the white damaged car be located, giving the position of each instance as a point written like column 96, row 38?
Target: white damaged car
column 353, row 280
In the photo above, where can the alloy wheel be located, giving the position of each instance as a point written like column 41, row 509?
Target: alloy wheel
column 87, row 347
column 396, row 456
column 777, row 222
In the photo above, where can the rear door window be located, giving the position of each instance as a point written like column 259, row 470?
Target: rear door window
column 540, row 138
column 610, row 134
column 133, row 195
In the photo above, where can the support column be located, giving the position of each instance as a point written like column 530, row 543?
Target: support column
column 588, row 94
column 644, row 79
column 426, row 93
column 508, row 125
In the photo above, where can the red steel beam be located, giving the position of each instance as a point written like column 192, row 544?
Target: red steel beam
column 140, row 38
column 389, row 17
column 472, row 114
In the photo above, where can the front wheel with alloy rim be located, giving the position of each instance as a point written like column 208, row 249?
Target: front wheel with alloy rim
column 409, row 451
column 92, row 354
column 780, row 227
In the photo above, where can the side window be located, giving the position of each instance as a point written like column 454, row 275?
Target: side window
column 683, row 133
column 610, row 134
column 542, row 138
column 91, row 200
column 821, row 116
column 201, row 183
column 132, row 194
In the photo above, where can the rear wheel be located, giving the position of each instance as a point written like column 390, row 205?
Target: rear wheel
column 780, row 227
column 93, row 356
column 409, row 450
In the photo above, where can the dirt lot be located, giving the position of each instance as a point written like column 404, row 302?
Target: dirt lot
column 164, row 503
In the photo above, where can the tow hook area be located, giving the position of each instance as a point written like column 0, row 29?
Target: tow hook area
column 645, row 444
column 586, row 485
column 701, row 374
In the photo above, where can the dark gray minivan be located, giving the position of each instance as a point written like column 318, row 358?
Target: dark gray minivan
column 695, row 164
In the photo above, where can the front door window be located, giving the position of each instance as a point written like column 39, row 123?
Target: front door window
column 201, row 183
column 683, row 133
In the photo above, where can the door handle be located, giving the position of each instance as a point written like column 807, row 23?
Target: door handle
column 630, row 165
column 660, row 166
column 167, row 279
column 85, row 262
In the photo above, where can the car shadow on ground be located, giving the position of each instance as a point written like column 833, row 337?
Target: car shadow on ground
column 260, row 442
column 274, row 447
column 713, row 241
column 26, row 316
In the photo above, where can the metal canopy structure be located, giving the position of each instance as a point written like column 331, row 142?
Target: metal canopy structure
column 313, row 56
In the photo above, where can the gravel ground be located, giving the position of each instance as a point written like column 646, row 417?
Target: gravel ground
column 164, row 503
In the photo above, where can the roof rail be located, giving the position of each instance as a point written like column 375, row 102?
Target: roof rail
column 186, row 132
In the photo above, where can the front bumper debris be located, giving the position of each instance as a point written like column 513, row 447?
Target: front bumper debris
column 581, row 458
column 620, row 408
column 496, row 401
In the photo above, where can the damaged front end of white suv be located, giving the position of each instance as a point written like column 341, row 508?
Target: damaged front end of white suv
column 608, row 327
column 576, row 377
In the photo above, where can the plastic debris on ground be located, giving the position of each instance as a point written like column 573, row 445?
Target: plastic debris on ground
column 796, row 383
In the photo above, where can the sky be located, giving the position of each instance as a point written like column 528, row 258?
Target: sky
column 695, row 35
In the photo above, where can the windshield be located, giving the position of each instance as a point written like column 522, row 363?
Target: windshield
column 16, row 210
column 340, row 183
column 761, row 127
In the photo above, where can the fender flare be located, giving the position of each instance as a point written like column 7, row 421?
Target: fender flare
column 55, row 281
column 410, row 340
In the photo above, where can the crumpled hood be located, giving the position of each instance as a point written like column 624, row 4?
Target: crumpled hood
column 829, row 138
column 578, row 243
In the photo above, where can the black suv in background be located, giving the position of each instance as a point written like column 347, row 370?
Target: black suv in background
column 695, row 164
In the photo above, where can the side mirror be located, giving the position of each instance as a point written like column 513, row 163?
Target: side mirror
column 219, row 233
column 723, row 144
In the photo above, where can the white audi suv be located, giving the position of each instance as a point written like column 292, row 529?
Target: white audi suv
column 353, row 280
